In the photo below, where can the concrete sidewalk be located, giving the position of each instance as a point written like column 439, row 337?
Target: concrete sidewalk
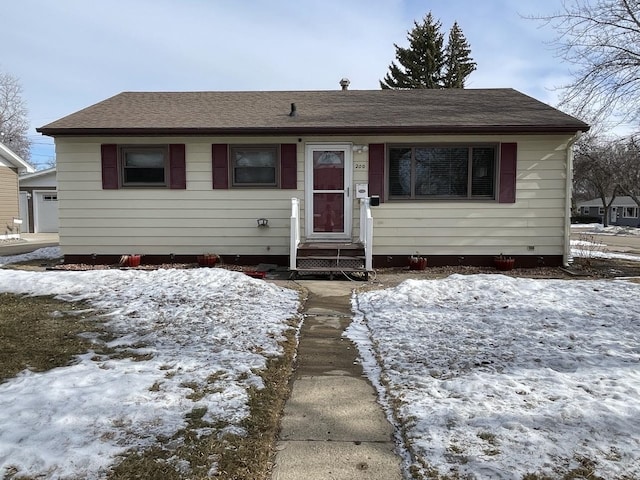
column 28, row 243
column 333, row 428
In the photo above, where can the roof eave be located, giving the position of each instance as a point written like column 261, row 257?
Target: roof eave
column 13, row 158
column 306, row 130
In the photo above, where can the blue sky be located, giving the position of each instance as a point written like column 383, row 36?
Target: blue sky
column 69, row 54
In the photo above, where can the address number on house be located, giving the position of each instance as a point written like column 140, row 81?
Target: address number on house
column 360, row 166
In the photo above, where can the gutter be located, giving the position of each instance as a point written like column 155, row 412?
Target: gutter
column 568, row 188
column 282, row 130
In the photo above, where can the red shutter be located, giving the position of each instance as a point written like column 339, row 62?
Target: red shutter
column 220, row 165
column 508, row 169
column 177, row 167
column 289, row 166
column 109, row 158
column 376, row 170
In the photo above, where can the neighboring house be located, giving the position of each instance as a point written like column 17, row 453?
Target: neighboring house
column 11, row 165
column 39, row 201
column 461, row 175
column 623, row 211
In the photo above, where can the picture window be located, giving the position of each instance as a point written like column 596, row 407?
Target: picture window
column 442, row 172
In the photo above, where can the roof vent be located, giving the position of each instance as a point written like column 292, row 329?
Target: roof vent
column 294, row 111
column 344, row 83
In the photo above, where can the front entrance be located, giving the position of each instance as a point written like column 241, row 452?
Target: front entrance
column 328, row 208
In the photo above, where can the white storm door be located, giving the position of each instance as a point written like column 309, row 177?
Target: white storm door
column 328, row 207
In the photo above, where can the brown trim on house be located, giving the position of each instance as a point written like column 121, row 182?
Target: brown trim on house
column 379, row 261
column 522, row 261
column 241, row 260
column 334, row 130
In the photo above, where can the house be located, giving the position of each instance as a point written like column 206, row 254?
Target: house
column 39, row 201
column 460, row 176
column 11, row 165
column 623, row 211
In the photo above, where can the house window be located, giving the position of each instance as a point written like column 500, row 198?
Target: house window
column 144, row 166
column 442, row 172
column 254, row 166
column 585, row 210
column 601, row 211
column 50, row 198
column 630, row 212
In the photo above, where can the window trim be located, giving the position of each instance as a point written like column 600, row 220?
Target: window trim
column 427, row 198
column 634, row 210
column 275, row 148
column 123, row 149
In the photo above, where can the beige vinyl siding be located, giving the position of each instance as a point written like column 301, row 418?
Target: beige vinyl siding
column 201, row 219
column 536, row 219
column 162, row 221
column 8, row 200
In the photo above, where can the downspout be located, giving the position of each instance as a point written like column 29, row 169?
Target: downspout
column 568, row 188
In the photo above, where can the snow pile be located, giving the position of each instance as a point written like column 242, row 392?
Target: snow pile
column 587, row 249
column 195, row 325
column 609, row 230
column 497, row 377
column 39, row 254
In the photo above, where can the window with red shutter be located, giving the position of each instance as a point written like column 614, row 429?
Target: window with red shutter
column 130, row 166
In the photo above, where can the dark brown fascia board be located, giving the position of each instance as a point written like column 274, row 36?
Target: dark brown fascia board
column 269, row 131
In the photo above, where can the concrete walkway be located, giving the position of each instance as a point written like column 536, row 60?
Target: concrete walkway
column 333, row 428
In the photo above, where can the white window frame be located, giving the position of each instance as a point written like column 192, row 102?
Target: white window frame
column 258, row 147
column 124, row 149
column 634, row 211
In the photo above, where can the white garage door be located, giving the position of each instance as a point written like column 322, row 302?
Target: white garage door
column 45, row 214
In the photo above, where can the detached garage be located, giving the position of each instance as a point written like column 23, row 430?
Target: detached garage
column 39, row 201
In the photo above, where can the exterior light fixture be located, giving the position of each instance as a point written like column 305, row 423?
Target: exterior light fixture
column 263, row 222
column 360, row 148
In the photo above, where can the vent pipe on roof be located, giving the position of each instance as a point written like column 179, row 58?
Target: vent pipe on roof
column 294, row 111
column 344, row 83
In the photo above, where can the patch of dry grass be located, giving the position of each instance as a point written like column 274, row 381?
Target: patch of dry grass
column 190, row 455
column 41, row 333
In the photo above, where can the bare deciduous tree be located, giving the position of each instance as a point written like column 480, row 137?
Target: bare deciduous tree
column 14, row 125
column 601, row 39
column 628, row 155
column 596, row 173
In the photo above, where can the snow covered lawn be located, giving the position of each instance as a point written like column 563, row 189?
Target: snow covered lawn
column 495, row 377
column 202, row 333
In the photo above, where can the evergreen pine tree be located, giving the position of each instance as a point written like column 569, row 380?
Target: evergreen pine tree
column 458, row 62
column 427, row 62
column 421, row 64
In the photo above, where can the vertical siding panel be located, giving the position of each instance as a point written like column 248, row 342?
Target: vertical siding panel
column 376, row 170
column 508, row 169
column 288, row 166
column 109, row 153
column 220, row 165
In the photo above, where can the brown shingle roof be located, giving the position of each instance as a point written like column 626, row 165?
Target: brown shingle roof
column 352, row 111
